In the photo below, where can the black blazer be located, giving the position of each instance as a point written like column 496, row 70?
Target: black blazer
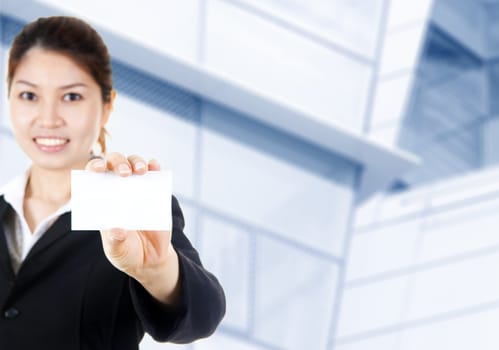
column 66, row 295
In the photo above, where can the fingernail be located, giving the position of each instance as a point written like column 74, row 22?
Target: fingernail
column 140, row 165
column 99, row 163
column 123, row 169
column 117, row 235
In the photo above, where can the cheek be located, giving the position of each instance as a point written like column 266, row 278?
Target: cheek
column 21, row 117
column 86, row 122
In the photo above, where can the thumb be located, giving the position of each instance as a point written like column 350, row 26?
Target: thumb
column 115, row 244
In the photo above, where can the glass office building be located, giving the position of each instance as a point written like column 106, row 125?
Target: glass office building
column 422, row 270
column 290, row 127
column 451, row 119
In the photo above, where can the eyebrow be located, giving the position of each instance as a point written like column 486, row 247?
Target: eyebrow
column 64, row 87
column 70, row 86
column 25, row 83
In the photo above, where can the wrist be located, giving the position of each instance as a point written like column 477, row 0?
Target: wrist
column 163, row 281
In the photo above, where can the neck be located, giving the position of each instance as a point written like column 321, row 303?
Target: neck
column 52, row 186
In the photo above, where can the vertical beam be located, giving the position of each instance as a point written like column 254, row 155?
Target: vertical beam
column 335, row 314
column 382, row 31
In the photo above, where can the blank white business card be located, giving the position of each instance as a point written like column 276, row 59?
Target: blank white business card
column 105, row 200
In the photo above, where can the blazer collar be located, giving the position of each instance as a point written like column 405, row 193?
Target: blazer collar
column 14, row 192
column 60, row 228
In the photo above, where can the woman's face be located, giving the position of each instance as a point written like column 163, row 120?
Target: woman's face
column 56, row 110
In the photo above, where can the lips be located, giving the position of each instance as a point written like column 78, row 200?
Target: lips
column 51, row 145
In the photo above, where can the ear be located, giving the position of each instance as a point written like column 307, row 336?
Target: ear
column 108, row 108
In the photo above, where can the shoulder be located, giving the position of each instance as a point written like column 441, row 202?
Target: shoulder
column 177, row 215
column 13, row 191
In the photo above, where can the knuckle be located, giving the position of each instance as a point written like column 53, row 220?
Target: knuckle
column 135, row 158
column 116, row 157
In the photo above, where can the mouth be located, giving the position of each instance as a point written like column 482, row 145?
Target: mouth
column 51, row 144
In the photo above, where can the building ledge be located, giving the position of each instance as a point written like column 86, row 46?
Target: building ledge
column 381, row 164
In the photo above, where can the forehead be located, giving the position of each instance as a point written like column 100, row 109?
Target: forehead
column 51, row 68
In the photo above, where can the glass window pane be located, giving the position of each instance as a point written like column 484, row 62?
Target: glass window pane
column 224, row 250
column 295, row 293
column 167, row 26
column 286, row 67
column 256, row 187
column 353, row 24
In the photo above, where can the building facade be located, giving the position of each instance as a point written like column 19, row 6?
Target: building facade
column 280, row 120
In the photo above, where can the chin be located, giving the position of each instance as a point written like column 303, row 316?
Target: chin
column 58, row 164
column 60, row 161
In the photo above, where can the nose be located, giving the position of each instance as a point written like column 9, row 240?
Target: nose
column 48, row 116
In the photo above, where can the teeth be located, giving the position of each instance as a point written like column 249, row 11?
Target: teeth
column 50, row 142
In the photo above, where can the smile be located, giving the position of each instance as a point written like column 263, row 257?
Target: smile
column 51, row 144
column 50, row 141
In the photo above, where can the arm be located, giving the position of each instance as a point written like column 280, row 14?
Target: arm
column 201, row 302
column 175, row 298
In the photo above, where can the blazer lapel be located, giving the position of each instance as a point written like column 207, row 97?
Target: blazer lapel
column 60, row 228
column 35, row 262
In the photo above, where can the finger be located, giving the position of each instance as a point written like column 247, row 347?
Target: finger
column 153, row 165
column 114, row 242
column 138, row 164
column 97, row 165
column 118, row 163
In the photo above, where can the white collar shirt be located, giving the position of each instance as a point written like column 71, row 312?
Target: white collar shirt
column 18, row 235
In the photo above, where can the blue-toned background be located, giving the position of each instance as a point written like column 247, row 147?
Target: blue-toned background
column 288, row 125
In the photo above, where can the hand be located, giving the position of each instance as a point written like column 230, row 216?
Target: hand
column 147, row 256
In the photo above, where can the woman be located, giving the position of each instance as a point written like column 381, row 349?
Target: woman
column 63, row 289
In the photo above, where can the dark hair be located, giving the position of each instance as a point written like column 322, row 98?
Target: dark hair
column 70, row 36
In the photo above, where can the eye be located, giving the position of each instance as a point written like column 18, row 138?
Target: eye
column 72, row 96
column 27, row 95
